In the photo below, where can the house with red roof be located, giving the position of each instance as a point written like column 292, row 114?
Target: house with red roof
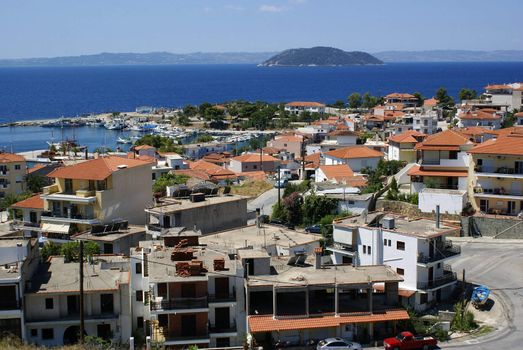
column 339, row 174
column 496, row 176
column 356, row 157
column 298, row 107
column 338, row 139
column 485, row 117
column 31, row 210
column 291, row 143
column 407, row 100
column 97, row 191
column 401, row 147
column 507, row 96
column 13, row 170
column 254, row 162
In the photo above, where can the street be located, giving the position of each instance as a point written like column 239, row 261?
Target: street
column 265, row 201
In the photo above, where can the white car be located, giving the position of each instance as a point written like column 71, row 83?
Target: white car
column 336, row 343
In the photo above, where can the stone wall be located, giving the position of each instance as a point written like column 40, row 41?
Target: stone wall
column 490, row 226
column 410, row 210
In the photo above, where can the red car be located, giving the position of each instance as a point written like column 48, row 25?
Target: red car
column 407, row 340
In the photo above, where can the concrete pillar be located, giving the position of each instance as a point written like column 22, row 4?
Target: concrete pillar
column 307, row 301
column 371, row 332
column 274, row 309
column 247, row 308
column 369, row 299
column 131, row 343
column 336, row 300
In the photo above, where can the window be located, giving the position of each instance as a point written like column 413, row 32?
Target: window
column 47, row 333
column 384, row 241
column 423, row 298
column 49, row 303
column 368, row 250
column 390, row 242
column 351, row 202
column 400, row 245
column 34, row 332
column 139, row 322
column 255, row 166
column 364, row 249
column 439, row 265
column 400, row 271
column 453, row 154
column 107, row 303
column 479, row 162
column 138, row 267
column 17, row 167
column 139, row 295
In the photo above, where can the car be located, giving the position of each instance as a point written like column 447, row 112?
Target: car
column 407, row 340
column 336, row 343
column 281, row 184
column 313, row 229
column 263, row 218
column 278, row 222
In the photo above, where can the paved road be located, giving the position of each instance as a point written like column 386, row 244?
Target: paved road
column 499, row 265
column 265, row 201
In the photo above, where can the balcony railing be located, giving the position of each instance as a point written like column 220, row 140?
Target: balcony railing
column 10, row 305
column 175, row 336
column 218, row 328
column 448, row 276
column 442, row 252
column 498, row 170
column 180, row 303
column 65, row 216
column 500, row 191
column 213, row 298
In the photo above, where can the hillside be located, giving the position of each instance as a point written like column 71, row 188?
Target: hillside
column 320, row 56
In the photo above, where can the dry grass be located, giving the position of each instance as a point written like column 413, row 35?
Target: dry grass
column 251, row 188
column 14, row 343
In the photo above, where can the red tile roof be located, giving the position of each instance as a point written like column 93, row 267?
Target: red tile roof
column 267, row 323
column 97, row 169
column 402, row 96
column 10, row 158
column 475, row 130
column 512, row 146
column 337, row 172
column 313, row 160
column 430, row 102
column 304, row 104
column 212, row 170
column 138, row 148
column 255, row 157
column 408, row 136
column 445, row 140
column 354, row 152
column 342, row 132
column 417, row 171
column 479, row 114
column 34, row 202
column 288, row 138
column 498, row 87
column 35, row 168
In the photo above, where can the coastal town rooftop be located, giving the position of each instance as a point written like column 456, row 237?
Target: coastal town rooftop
column 171, row 205
column 131, row 230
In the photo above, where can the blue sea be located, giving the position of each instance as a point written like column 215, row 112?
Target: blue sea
column 50, row 92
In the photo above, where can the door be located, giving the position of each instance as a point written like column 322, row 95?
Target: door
column 33, row 217
column 511, row 207
column 104, row 331
column 68, row 186
column 188, row 325
column 432, row 247
column 221, row 287
column 483, row 205
column 73, row 305
column 166, row 222
column 518, row 167
column 188, row 290
column 108, row 248
column 431, row 275
column 222, row 318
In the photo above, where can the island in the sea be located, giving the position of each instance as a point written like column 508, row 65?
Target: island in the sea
column 320, row 56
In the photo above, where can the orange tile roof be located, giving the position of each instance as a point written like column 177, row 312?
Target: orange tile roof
column 305, row 104
column 267, row 323
column 403, row 96
column 342, row 132
column 138, row 148
column 288, row 138
column 474, row 130
column 498, row 87
column 213, row 170
column 34, row 202
column 255, row 157
column 512, row 146
column 445, row 140
column 417, row 171
column 35, row 168
column 354, row 152
column 313, row 160
column 479, row 114
column 96, row 169
column 408, row 136
column 10, row 157
column 338, row 172
column 430, row 102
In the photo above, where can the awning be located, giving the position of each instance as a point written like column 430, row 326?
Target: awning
column 266, row 323
column 406, row 293
column 55, row 228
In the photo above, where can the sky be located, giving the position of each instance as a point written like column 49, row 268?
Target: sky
column 36, row 28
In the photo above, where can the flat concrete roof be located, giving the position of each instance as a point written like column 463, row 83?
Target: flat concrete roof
column 106, row 274
column 180, row 232
column 171, row 205
column 163, row 269
column 287, row 276
column 252, row 253
column 418, row 227
column 231, row 240
column 13, row 242
column 111, row 237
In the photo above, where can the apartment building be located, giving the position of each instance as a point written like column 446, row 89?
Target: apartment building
column 291, row 143
column 339, row 139
column 485, row 117
column 18, row 261
column 253, row 162
column 296, row 299
column 401, row 147
column 298, row 107
column 31, row 210
column 97, row 191
column 185, row 294
column 496, row 175
column 116, row 238
column 407, row 100
column 426, row 123
column 356, row 157
column 504, row 95
column 54, row 296
column 415, row 249
column 207, row 214
column 13, row 170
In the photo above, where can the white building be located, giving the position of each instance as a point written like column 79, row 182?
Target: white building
column 488, row 118
column 298, row 107
column 357, row 157
column 504, row 95
column 415, row 249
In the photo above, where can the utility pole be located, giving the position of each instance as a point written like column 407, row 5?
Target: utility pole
column 303, row 177
column 279, row 184
column 82, row 325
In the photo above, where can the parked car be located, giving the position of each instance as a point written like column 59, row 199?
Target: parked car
column 281, row 184
column 336, row 343
column 313, row 229
column 264, row 218
column 282, row 223
column 407, row 340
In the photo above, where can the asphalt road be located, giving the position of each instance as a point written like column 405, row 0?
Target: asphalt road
column 265, row 201
column 499, row 265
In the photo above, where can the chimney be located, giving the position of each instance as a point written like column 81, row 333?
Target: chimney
column 317, row 255
column 437, row 216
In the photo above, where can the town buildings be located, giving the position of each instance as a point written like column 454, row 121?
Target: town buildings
column 356, row 157
column 401, row 147
column 31, row 211
column 507, row 96
column 485, row 117
column 415, row 249
column 298, row 107
column 291, row 143
column 95, row 192
column 253, row 162
column 13, row 170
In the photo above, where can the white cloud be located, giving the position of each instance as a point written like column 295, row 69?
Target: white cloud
column 271, row 8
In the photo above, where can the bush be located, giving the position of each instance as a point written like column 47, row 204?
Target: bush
column 71, row 250
column 302, row 187
column 160, row 185
column 464, row 320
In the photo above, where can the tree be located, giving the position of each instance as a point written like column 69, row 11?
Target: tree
column 35, row 183
column 71, row 250
column 419, row 98
column 161, row 184
column 292, row 205
column 11, row 199
column 315, row 207
column 190, row 111
column 369, row 101
column 444, row 100
column 49, row 249
column 183, row 120
column 204, row 138
column 355, row 100
column 510, row 119
column 161, row 143
column 338, row 104
column 467, row 94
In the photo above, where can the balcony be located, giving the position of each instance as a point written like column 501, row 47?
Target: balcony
column 174, row 338
column 497, row 193
column 460, row 162
column 4, row 185
column 213, row 298
column 80, row 196
column 218, row 328
column 85, row 219
column 180, row 303
column 448, row 277
column 10, row 304
column 442, row 252
column 501, row 172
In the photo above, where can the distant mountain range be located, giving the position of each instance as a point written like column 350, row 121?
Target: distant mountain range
column 451, row 56
column 325, row 57
column 320, row 56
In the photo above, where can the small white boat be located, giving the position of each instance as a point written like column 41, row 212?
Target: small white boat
column 124, row 140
